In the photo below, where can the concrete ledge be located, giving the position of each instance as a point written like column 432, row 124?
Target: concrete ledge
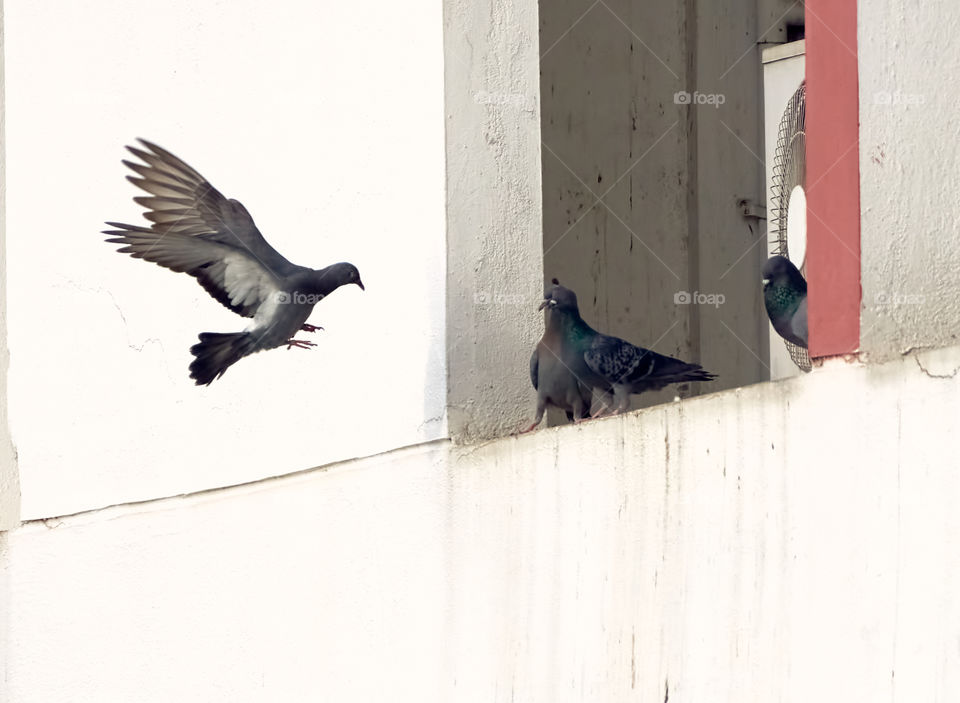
column 789, row 541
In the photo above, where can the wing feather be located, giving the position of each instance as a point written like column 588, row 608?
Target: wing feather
column 230, row 275
column 183, row 202
column 622, row 363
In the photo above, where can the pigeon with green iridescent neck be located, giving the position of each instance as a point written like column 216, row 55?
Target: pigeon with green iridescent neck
column 610, row 364
column 554, row 382
column 785, row 297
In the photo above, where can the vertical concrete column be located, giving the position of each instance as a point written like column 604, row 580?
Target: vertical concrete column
column 907, row 142
column 494, row 237
column 9, row 476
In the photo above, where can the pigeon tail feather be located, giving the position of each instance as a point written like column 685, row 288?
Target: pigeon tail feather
column 216, row 352
column 683, row 373
column 697, row 374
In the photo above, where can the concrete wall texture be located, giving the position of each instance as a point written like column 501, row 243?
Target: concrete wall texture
column 494, row 260
column 909, row 118
column 768, row 543
column 790, row 541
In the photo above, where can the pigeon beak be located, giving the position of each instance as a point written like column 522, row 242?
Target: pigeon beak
column 544, row 304
column 360, row 283
column 766, row 281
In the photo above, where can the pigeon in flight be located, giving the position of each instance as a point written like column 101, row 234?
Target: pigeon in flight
column 610, row 363
column 554, row 382
column 785, row 297
column 198, row 231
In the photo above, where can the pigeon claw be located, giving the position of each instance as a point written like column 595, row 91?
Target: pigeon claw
column 299, row 343
column 310, row 328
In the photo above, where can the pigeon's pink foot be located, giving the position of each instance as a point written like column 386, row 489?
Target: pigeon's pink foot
column 529, row 429
column 299, row 343
column 310, row 328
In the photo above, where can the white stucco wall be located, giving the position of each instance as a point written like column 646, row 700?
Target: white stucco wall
column 326, row 121
column 909, row 107
column 790, row 541
column 9, row 475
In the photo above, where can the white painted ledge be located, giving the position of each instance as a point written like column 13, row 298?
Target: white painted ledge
column 789, row 541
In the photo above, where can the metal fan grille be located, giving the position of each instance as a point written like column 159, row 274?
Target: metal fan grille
column 789, row 171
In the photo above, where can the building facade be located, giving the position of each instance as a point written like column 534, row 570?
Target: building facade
column 359, row 522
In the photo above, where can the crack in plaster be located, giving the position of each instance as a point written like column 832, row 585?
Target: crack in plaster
column 936, row 375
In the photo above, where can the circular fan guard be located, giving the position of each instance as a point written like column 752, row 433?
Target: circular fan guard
column 789, row 182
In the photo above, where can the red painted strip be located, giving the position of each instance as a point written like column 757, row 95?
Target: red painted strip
column 833, row 177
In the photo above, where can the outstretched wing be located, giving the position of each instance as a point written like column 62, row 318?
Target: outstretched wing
column 183, row 202
column 622, row 363
column 227, row 273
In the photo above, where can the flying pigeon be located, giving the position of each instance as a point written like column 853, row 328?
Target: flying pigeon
column 785, row 297
column 198, row 231
column 554, row 382
column 610, row 363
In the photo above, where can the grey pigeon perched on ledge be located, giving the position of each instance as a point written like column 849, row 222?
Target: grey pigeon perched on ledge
column 554, row 382
column 785, row 297
column 198, row 231
column 610, row 363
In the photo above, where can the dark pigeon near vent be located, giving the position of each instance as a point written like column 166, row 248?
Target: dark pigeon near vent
column 785, row 297
column 198, row 231
column 611, row 364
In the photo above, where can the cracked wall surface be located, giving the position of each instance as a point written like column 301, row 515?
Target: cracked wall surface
column 792, row 541
column 908, row 155
column 334, row 164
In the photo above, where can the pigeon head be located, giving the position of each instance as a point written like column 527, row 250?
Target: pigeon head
column 341, row 274
column 780, row 271
column 559, row 298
